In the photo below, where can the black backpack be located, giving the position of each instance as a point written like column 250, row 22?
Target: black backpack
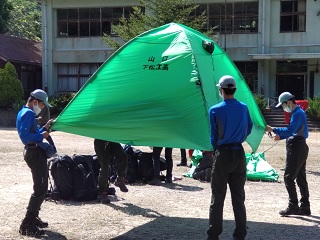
column 146, row 170
column 84, row 182
column 133, row 167
column 61, row 169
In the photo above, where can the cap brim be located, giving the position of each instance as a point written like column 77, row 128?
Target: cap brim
column 47, row 104
column 218, row 85
column 279, row 104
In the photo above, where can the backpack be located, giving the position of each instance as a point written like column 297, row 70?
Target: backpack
column 146, row 170
column 61, row 172
column 133, row 167
column 84, row 182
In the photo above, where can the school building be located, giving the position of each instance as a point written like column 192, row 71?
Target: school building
column 274, row 43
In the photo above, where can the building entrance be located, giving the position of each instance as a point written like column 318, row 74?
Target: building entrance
column 293, row 83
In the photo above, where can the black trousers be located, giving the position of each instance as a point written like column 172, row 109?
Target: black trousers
column 156, row 161
column 297, row 154
column 37, row 162
column 228, row 168
column 105, row 151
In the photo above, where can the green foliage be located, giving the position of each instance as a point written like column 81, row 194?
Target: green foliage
column 25, row 19
column 260, row 101
column 11, row 90
column 5, row 8
column 154, row 13
column 18, row 105
column 314, row 108
column 60, row 102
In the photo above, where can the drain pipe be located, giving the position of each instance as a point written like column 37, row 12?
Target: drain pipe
column 45, row 40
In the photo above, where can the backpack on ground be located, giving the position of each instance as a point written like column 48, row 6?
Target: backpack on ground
column 61, row 169
column 133, row 166
column 84, row 183
column 146, row 170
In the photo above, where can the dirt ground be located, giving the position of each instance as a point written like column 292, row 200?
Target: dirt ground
column 170, row 211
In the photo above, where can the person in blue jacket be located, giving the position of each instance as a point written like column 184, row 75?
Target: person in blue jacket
column 297, row 153
column 30, row 136
column 230, row 124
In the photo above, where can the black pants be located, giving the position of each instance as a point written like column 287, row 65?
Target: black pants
column 105, row 151
column 229, row 167
column 37, row 162
column 156, row 161
column 297, row 154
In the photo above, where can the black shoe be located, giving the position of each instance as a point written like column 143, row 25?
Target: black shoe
column 103, row 199
column 120, row 183
column 39, row 223
column 182, row 164
column 290, row 211
column 305, row 211
column 29, row 229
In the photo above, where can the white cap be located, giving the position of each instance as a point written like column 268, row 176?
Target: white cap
column 40, row 95
column 227, row 82
column 284, row 97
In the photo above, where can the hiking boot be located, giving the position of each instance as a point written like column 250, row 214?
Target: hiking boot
column 39, row 223
column 120, row 183
column 290, row 210
column 155, row 182
column 305, row 211
column 28, row 229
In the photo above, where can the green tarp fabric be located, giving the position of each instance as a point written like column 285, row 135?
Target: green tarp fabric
column 156, row 90
column 259, row 169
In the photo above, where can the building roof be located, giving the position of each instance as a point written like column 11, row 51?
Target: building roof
column 20, row 50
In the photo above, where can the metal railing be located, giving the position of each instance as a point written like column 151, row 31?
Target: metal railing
column 271, row 102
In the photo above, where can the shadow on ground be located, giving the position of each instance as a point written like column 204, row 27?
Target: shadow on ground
column 168, row 228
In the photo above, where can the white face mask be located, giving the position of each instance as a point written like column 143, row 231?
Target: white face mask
column 288, row 109
column 36, row 109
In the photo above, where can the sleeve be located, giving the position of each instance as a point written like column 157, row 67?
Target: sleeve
column 295, row 122
column 213, row 128
column 28, row 122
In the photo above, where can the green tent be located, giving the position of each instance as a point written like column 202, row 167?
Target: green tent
column 156, row 90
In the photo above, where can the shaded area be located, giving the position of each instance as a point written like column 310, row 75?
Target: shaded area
column 172, row 228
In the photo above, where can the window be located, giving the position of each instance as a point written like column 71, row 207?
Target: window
column 86, row 22
column 293, row 16
column 72, row 76
column 232, row 17
column 249, row 71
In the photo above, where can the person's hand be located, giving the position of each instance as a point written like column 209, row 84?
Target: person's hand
column 48, row 124
column 276, row 138
column 269, row 128
column 45, row 134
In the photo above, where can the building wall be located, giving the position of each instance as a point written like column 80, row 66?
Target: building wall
column 240, row 47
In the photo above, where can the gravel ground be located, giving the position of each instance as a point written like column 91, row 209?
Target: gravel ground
column 170, row 211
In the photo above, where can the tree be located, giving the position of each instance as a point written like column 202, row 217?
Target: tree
column 154, row 13
column 11, row 90
column 25, row 19
column 5, row 8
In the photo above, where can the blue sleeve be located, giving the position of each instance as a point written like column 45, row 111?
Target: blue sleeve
column 295, row 122
column 26, row 134
column 213, row 128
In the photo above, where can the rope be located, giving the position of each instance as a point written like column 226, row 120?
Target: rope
column 270, row 135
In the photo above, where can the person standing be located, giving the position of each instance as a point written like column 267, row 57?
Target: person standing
column 156, row 165
column 30, row 135
column 230, row 124
column 183, row 156
column 105, row 151
column 297, row 153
